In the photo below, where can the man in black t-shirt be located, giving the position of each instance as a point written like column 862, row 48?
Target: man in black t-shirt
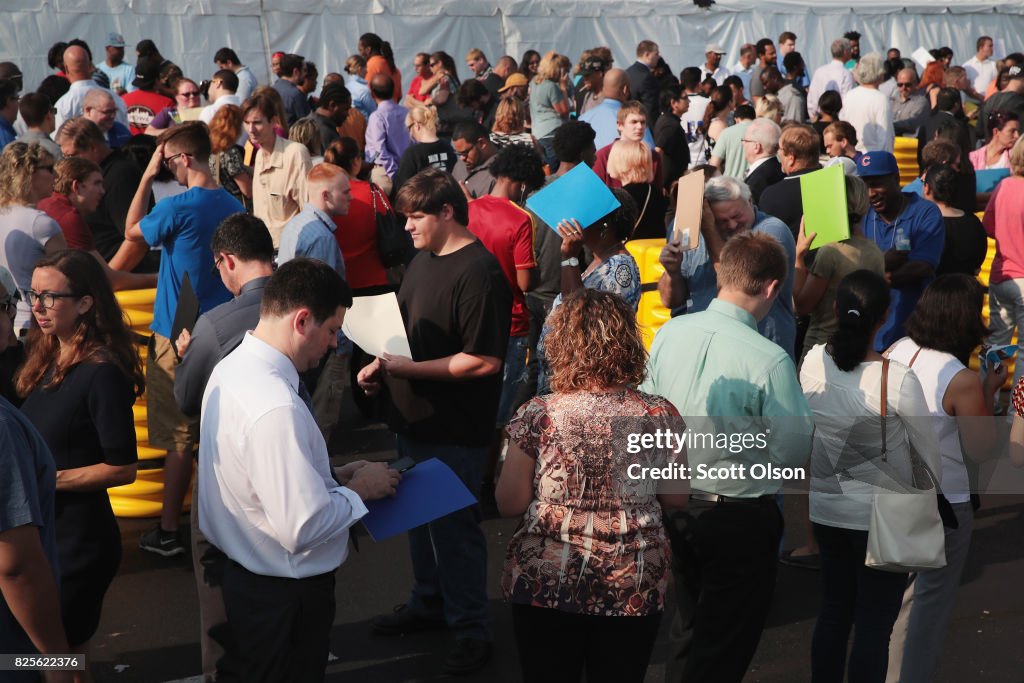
column 456, row 305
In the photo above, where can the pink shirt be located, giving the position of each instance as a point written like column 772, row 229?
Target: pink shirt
column 979, row 158
column 1004, row 221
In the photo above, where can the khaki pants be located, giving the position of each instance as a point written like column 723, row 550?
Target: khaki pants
column 169, row 429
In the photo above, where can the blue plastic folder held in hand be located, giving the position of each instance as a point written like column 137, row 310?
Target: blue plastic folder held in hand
column 578, row 194
column 986, row 180
column 427, row 492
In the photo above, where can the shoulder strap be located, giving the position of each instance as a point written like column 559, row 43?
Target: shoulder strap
column 885, row 402
column 640, row 215
column 914, row 357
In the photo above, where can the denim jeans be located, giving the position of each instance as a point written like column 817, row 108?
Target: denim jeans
column 852, row 596
column 1006, row 314
column 548, row 145
column 449, row 555
column 514, row 377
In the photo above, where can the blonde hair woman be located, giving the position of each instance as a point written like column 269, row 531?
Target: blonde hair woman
column 305, row 132
column 549, row 104
column 769, row 107
column 26, row 233
column 427, row 149
column 631, row 163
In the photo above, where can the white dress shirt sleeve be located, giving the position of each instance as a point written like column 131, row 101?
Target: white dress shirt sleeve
column 300, row 510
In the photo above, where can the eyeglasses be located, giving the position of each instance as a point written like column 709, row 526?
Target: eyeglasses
column 464, row 154
column 10, row 307
column 216, row 264
column 168, row 160
column 904, row 85
column 45, row 168
column 48, row 299
column 434, row 63
column 194, row 93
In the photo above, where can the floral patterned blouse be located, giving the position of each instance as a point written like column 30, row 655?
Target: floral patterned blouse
column 592, row 540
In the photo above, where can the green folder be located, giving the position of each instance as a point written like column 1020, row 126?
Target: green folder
column 823, row 194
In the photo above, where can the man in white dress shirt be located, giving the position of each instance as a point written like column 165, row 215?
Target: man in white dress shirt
column 832, row 76
column 981, row 68
column 267, row 496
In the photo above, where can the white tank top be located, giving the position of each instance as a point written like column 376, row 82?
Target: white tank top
column 935, row 370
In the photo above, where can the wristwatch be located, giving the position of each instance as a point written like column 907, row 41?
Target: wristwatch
column 572, row 262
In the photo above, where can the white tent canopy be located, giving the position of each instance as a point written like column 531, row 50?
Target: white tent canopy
column 189, row 32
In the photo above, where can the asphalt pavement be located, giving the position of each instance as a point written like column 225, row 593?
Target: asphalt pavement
column 150, row 625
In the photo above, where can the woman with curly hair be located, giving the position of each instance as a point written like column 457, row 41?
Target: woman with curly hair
column 227, row 158
column 612, row 269
column 79, row 381
column 587, row 569
column 26, row 233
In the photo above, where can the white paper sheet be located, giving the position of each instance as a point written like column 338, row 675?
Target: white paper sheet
column 374, row 323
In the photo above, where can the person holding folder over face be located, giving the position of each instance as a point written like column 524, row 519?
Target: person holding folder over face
column 267, row 496
column 457, row 306
column 183, row 226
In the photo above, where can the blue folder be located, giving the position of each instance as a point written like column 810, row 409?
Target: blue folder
column 578, row 194
column 428, row 491
column 986, row 181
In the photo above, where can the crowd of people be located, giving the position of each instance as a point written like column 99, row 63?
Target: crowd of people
column 271, row 208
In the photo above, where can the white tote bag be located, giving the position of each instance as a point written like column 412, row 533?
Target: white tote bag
column 906, row 532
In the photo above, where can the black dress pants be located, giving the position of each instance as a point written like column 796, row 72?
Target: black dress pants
column 282, row 626
column 724, row 564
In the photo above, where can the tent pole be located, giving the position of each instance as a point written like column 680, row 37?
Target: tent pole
column 265, row 36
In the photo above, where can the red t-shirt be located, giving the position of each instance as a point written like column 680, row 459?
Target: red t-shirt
column 507, row 232
column 142, row 107
column 357, row 237
column 601, row 167
column 76, row 231
column 414, row 89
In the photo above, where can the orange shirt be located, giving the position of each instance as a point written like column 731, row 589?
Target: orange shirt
column 378, row 65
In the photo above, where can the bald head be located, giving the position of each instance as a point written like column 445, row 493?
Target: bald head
column 616, row 85
column 99, row 107
column 77, row 64
column 382, row 87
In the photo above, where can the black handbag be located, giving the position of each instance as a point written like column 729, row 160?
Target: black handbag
column 394, row 244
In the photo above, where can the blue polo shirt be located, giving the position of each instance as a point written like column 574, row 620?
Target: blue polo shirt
column 922, row 222
column 780, row 323
column 183, row 226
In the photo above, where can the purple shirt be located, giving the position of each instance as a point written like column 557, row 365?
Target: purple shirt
column 386, row 136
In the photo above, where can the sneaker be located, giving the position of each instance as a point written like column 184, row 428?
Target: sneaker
column 403, row 620
column 161, row 542
column 468, row 656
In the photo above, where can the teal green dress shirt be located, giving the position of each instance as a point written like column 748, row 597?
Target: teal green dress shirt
column 728, row 380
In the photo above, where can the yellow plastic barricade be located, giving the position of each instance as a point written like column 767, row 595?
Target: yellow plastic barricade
column 650, row 314
column 143, row 497
column 905, row 151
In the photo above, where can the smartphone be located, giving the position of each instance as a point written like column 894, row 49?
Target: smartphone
column 403, row 464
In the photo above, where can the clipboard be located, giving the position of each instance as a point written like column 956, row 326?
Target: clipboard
column 689, row 209
column 187, row 312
